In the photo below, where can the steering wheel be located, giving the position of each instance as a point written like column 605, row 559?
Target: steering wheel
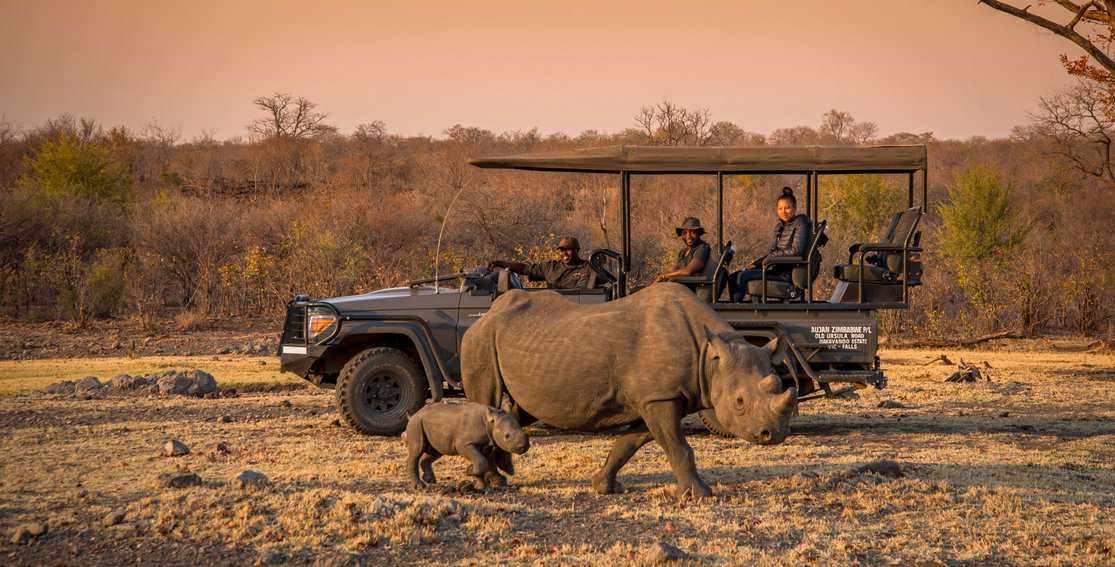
column 598, row 261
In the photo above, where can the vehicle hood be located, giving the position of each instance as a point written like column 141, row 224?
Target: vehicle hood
column 396, row 298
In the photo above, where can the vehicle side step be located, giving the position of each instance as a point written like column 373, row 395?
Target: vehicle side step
column 867, row 377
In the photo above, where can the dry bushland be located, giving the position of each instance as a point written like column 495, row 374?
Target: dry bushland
column 145, row 225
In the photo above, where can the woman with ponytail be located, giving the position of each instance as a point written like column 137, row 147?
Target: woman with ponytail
column 791, row 238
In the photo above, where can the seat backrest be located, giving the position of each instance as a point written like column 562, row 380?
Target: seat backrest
column 813, row 255
column 903, row 232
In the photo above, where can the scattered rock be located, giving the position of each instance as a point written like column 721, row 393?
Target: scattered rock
column 126, row 383
column 203, row 383
column 222, row 448
column 663, row 552
column 88, row 384
column 1004, row 414
column 335, row 423
column 225, row 419
column 285, row 404
column 891, row 404
column 63, row 387
column 230, row 393
column 27, row 532
column 112, row 518
column 179, row 480
column 175, row 448
column 881, row 468
column 183, row 382
column 250, row 479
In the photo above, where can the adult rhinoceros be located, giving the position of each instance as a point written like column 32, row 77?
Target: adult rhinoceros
column 648, row 360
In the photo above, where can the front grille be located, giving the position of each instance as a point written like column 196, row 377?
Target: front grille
column 295, row 329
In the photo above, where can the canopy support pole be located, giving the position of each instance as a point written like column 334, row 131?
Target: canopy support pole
column 925, row 190
column 720, row 212
column 809, row 197
column 625, row 228
column 910, row 191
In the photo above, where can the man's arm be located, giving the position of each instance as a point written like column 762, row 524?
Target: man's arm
column 517, row 267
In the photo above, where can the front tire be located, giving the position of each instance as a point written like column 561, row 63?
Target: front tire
column 378, row 390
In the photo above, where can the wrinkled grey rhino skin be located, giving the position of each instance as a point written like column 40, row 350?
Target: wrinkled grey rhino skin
column 647, row 360
column 483, row 435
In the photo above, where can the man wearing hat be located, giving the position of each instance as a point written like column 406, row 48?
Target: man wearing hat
column 692, row 258
column 570, row 272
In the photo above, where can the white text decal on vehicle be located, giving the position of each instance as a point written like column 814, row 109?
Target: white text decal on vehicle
column 844, row 338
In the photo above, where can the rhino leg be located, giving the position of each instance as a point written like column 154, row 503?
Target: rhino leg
column 604, row 481
column 480, row 466
column 664, row 421
column 498, row 460
column 426, row 462
column 415, row 439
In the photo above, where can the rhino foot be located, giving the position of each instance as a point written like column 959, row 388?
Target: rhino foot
column 693, row 490
column 472, row 485
column 495, row 479
column 604, row 485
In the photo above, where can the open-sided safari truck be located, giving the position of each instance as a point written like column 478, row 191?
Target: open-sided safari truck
column 387, row 352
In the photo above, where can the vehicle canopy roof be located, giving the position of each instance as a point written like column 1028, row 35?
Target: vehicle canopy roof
column 718, row 159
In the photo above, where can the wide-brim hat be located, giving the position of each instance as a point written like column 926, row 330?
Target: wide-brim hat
column 568, row 242
column 690, row 223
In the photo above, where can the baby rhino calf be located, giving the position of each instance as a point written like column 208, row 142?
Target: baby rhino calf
column 482, row 434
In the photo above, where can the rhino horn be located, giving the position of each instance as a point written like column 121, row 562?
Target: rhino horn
column 771, row 384
column 786, row 402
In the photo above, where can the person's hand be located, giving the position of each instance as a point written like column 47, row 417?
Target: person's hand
column 662, row 278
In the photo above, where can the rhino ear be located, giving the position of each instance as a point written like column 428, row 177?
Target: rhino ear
column 776, row 348
column 717, row 346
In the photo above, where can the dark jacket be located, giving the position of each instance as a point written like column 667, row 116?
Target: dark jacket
column 791, row 238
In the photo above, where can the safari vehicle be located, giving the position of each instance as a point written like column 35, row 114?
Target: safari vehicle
column 389, row 351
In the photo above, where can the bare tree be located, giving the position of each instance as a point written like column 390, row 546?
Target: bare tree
column 796, row 136
column 1077, row 129
column 669, row 124
column 289, row 117
column 1097, row 12
column 839, row 127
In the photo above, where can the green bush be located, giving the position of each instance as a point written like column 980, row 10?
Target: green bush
column 66, row 168
column 978, row 223
column 861, row 205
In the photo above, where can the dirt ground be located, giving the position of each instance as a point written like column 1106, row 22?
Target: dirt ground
column 1017, row 470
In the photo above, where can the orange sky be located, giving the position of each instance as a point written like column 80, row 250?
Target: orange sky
column 949, row 66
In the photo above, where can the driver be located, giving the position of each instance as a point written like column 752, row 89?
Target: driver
column 569, row 272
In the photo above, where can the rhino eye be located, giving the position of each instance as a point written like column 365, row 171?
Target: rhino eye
column 739, row 401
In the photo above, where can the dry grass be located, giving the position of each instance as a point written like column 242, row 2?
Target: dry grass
column 1032, row 487
column 24, row 376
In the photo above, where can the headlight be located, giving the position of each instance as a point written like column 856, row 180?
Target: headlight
column 320, row 323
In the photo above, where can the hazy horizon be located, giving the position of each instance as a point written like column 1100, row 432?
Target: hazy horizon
column 951, row 67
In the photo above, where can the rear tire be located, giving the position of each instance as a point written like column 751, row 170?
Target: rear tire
column 708, row 417
column 379, row 389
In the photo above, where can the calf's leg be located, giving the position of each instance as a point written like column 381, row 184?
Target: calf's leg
column 604, row 481
column 664, row 421
column 426, row 462
column 480, row 465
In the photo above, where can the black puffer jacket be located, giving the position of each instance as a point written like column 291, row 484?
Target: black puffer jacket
column 791, row 238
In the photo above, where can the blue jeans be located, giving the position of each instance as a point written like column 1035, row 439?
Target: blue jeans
column 739, row 281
